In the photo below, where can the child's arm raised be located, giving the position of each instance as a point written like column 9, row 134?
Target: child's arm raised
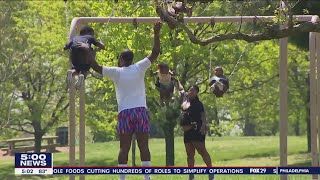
column 98, row 44
column 68, row 45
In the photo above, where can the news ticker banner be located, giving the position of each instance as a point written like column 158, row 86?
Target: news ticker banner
column 167, row 170
column 42, row 163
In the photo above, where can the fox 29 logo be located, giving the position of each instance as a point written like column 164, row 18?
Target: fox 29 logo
column 29, row 160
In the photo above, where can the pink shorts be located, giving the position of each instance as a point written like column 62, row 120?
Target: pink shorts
column 133, row 120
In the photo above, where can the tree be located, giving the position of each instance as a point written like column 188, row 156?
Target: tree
column 273, row 30
column 39, row 97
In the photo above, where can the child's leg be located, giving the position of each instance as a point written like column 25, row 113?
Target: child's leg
column 85, row 74
column 80, row 80
column 212, row 87
column 220, row 85
column 90, row 56
column 157, row 82
column 70, row 73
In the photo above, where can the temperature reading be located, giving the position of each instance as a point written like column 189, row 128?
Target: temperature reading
column 42, row 171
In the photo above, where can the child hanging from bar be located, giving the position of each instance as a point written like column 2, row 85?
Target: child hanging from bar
column 219, row 83
column 166, row 83
column 80, row 56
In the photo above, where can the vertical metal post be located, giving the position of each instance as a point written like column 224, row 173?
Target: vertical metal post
column 313, row 101
column 72, row 126
column 82, row 128
column 283, row 101
column 318, row 88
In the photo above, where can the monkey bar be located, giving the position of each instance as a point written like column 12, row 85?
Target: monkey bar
column 314, row 47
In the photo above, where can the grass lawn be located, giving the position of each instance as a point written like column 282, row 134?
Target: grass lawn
column 225, row 151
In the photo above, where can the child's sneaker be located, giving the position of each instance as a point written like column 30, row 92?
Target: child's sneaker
column 79, row 81
column 69, row 77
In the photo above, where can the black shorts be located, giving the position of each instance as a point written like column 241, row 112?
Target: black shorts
column 193, row 136
column 80, row 59
column 81, row 67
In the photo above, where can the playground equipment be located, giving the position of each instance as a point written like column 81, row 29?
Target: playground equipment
column 314, row 47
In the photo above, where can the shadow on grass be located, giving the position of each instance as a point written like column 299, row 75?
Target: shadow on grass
column 304, row 163
column 258, row 155
column 91, row 162
column 262, row 155
column 270, row 154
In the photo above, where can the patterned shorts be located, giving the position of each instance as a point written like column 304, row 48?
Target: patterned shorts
column 133, row 120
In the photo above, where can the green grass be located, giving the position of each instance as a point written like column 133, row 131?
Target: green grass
column 225, row 151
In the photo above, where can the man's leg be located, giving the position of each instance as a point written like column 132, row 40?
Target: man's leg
column 125, row 134
column 125, row 144
column 143, row 144
column 143, row 129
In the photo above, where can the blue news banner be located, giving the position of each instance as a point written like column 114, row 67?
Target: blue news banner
column 42, row 163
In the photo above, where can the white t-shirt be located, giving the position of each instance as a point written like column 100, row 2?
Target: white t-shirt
column 129, row 84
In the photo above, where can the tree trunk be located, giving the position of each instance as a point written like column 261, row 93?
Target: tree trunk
column 37, row 136
column 169, row 139
column 37, row 142
column 297, row 127
column 216, row 121
column 168, row 129
column 249, row 128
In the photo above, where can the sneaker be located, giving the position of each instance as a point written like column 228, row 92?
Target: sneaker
column 79, row 81
column 69, row 77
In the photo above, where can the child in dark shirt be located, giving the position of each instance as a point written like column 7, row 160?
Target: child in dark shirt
column 79, row 56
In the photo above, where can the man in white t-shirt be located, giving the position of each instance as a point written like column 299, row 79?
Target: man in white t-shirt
column 131, row 97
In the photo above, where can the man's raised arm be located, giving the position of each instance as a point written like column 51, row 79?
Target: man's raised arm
column 95, row 66
column 93, row 63
column 156, row 45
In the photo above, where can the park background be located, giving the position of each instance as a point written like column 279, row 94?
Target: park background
column 244, row 123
